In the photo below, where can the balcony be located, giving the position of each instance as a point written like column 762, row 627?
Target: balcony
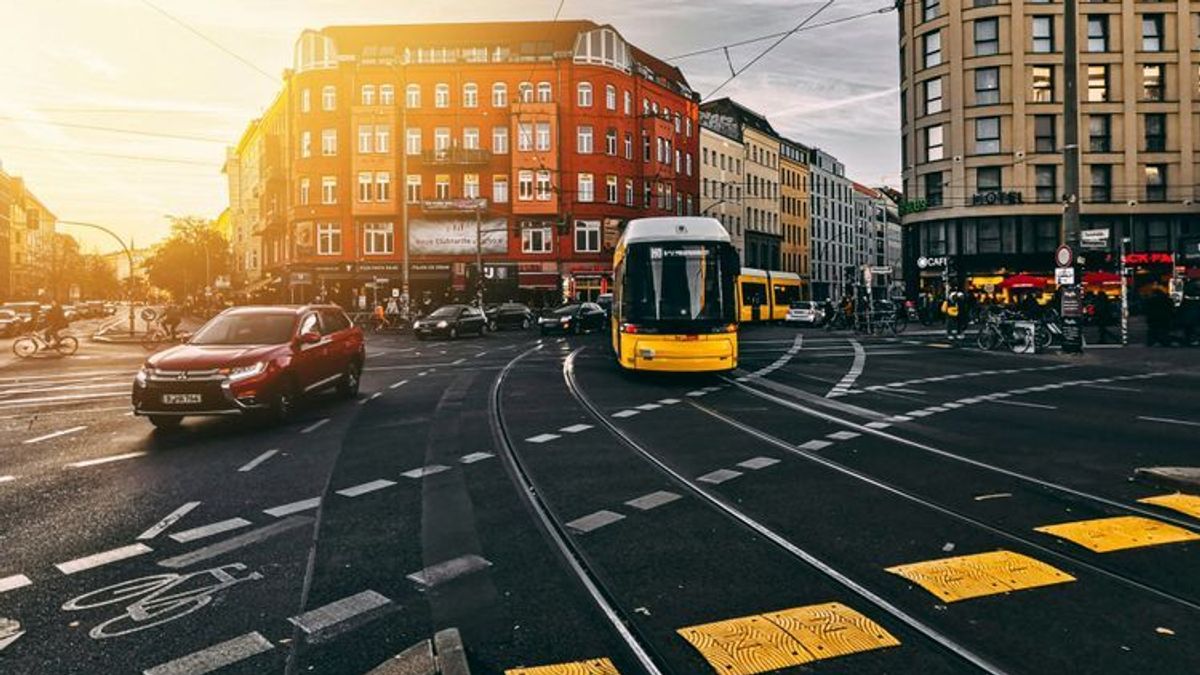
column 456, row 157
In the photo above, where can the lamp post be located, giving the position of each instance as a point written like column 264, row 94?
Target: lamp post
column 128, row 254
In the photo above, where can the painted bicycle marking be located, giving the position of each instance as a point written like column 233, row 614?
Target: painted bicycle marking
column 157, row 599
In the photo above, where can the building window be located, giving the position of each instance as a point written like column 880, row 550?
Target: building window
column 587, row 188
column 368, row 94
column 987, row 136
column 535, row 239
column 1152, row 32
column 628, row 192
column 387, row 94
column 306, row 144
column 377, row 238
column 543, row 186
column 365, row 133
column 583, row 140
column 383, row 186
column 412, row 96
column 471, row 186
column 933, row 49
column 305, row 100
column 987, row 179
column 610, row 97
column 500, row 140
column 500, row 189
column 934, row 144
column 441, row 139
column 1156, row 132
column 610, row 189
column 1042, row 82
column 1099, row 133
column 610, row 142
column 414, row 188
column 470, row 95
column 525, row 92
column 364, row 186
column 441, row 95
column 542, row 137
column 628, row 102
column 933, row 188
column 441, row 187
column 1152, row 82
column 1097, row 33
column 412, row 143
column 525, row 185
column 1097, row 83
column 933, row 96
column 1045, row 136
column 329, row 97
column 1043, row 34
column 930, row 10
column 329, row 239
column 524, row 136
column 305, row 186
column 329, row 142
column 1156, row 182
column 499, row 95
column 1046, row 181
column 987, row 37
column 543, row 92
column 587, row 236
column 328, row 189
column 470, row 139
column 987, row 86
column 1101, row 181
column 584, row 95
column 383, row 138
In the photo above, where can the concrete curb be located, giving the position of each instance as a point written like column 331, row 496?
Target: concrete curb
column 1178, row 477
column 420, row 659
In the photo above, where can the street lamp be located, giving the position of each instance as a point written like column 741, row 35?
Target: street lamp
column 128, row 255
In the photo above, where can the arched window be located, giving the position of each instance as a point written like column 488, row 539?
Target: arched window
column 525, row 91
column 470, row 95
column 412, row 96
column 499, row 95
column 441, row 95
column 543, row 92
column 610, row 97
column 584, row 94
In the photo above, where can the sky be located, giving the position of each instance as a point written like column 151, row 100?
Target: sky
column 123, row 64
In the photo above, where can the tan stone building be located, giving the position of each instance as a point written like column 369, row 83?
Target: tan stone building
column 982, row 104
column 721, row 180
column 26, row 234
column 794, row 215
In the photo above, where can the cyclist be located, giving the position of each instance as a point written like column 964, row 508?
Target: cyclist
column 56, row 320
column 381, row 320
column 171, row 318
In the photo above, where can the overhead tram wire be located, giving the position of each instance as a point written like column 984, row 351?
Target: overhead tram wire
column 116, row 130
column 274, row 79
column 749, row 41
column 771, row 47
column 113, row 155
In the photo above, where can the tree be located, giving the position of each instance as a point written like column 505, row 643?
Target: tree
column 194, row 255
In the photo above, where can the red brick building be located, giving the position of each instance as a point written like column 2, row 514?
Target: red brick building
column 551, row 134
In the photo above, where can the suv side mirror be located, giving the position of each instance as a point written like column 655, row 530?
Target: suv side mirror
column 309, row 338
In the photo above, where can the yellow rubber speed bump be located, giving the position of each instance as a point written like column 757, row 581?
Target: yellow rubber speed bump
column 1114, row 534
column 1186, row 504
column 790, row 637
column 592, row 667
column 972, row 576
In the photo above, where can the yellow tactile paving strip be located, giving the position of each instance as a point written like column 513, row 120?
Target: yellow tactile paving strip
column 591, row 667
column 1183, row 503
column 972, row 576
column 790, row 637
column 1115, row 534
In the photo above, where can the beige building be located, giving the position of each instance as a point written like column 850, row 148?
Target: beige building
column 982, row 104
column 26, row 235
column 721, row 180
column 794, row 216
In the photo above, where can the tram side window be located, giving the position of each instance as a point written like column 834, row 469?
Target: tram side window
column 786, row 295
column 754, row 293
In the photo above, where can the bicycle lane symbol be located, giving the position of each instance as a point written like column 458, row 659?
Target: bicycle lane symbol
column 157, row 599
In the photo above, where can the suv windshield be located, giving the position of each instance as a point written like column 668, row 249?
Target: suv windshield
column 246, row 329
column 567, row 310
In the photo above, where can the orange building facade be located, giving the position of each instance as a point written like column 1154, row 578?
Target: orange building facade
column 524, row 146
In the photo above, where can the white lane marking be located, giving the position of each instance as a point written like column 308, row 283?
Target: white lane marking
column 104, row 558
column 457, row 362
column 1168, row 420
column 332, row 619
column 55, row 434
column 170, row 519
column 856, row 369
column 576, row 428
column 70, row 377
column 209, row 530
column 481, row 353
column 14, row 582
column 5, row 479
column 11, row 634
column 475, row 457
column 425, row 471
column 364, row 488
column 648, row 406
column 50, row 387
column 668, row 401
column 315, row 425
column 843, row 435
column 249, row 466
column 594, row 521
column 696, row 393
column 652, row 500
column 294, row 507
column 878, row 425
column 815, row 445
column 1026, row 405
column 631, row 413
column 215, row 657
column 719, row 476
column 542, row 438
column 449, row 569
column 28, row 402
column 235, row 542
column 397, row 385
column 755, row 463
column 105, row 460
column 899, row 418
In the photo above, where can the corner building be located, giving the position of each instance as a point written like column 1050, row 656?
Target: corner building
column 982, row 90
column 545, row 137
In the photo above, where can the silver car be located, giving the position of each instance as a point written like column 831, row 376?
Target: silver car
column 803, row 312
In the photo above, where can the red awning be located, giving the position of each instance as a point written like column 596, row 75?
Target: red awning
column 1024, row 281
column 1102, row 279
column 538, row 280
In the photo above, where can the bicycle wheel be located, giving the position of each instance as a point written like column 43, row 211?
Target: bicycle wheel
column 126, row 623
column 1042, row 337
column 119, row 593
column 901, row 323
column 67, row 345
column 152, row 341
column 25, row 347
column 988, row 338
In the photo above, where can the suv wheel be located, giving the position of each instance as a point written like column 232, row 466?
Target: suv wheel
column 283, row 405
column 166, row 422
column 348, row 385
column 453, row 332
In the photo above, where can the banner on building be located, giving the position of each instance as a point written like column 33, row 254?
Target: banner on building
column 456, row 236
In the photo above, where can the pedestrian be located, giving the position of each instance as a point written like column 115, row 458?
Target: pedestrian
column 171, row 318
column 1103, row 309
column 1160, row 312
column 1189, row 313
column 951, row 308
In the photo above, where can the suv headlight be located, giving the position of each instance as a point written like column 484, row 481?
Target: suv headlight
column 565, row 319
column 244, row 372
column 143, row 374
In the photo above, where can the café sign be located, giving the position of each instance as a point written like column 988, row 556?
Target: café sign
column 457, row 236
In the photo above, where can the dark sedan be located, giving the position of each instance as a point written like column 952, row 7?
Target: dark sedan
column 576, row 319
column 509, row 315
column 451, row 321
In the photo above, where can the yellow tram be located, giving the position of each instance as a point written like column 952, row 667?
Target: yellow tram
column 766, row 295
column 674, row 299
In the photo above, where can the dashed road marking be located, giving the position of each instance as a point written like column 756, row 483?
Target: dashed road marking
column 1183, row 503
column 315, row 425
column 448, row 570
column 215, row 657
column 235, row 542
column 397, row 385
column 209, row 530
column 457, row 362
column 719, row 476
column 1109, row 387
column 626, row 413
column 668, row 401
column 652, row 500
column 814, row 445
column 475, row 457
column 56, row 434
column 648, row 406
column 755, row 463
column 978, row 575
column 5, row 479
column 423, row 471
column 103, row 558
column 542, row 438
column 294, row 507
column 337, row 617
column 1025, row 404
column 170, row 519
column 1168, row 420
column 843, row 435
column 576, row 428
column 105, row 460
column 364, row 488
column 249, row 466
column 1103, row 535
column 878, row 425
column 594, row 521
column 14, row 582
column 696, row 393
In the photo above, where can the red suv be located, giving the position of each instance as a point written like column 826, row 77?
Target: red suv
column 258, row 360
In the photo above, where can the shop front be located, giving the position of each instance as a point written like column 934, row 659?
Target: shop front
column 586, row 281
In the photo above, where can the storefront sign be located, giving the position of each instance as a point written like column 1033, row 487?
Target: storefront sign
column 913, row 206
column 455, row 205
column 454, row 236
column 377, row 267
column 927, row 263
column 1149, row 259
column 995, row 198
column 1094, row 239
column 300, row 278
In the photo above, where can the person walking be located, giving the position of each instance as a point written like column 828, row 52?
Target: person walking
column 1103, row 317
column 1159, row 314
column 1189, row 313
column 951, row 309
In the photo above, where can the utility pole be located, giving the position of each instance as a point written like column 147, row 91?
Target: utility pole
column 479, row 252
column 1069, row 231
column 402, row 87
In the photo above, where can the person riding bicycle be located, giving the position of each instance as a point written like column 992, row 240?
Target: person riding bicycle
column 380, row 314
column 171, row 318
column 56, row 320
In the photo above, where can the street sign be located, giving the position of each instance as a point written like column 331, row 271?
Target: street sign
column 881, row 269
column 1094, row 239
column 1063, row 256
column 395, row 292
column 1064, row 276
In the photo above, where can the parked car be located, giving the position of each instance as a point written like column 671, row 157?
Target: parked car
column 24, row 311
column 450, row 321
column 577, row 319
column 605, row 301
column 804, row 312
column 509, row 315
column 252, row 360
column 10, row 323
column 70, row 313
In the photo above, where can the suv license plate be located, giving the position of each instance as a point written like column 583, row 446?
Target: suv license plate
column 180, row 399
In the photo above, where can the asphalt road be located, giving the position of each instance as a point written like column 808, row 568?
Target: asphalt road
column 556, row 510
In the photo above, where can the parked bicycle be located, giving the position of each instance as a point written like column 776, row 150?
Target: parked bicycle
column 31, row 344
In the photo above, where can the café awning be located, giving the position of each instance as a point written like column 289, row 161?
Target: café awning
column 1024, row 282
